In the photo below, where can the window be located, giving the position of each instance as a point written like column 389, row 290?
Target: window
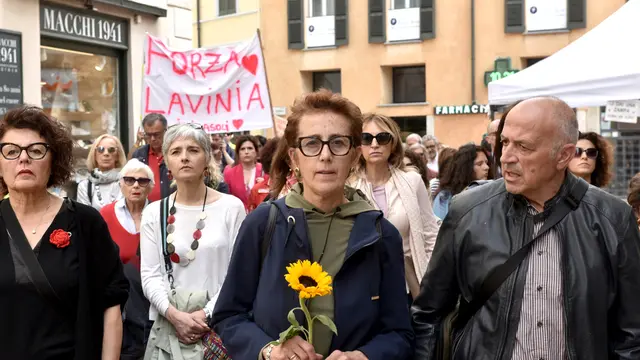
column 533, row 61
column 405, row 4
column 330, row 80
column 411, row 124
column 321, row 8
column 409, row 85
column 226, row 7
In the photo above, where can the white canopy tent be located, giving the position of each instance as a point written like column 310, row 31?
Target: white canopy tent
column 602, row 65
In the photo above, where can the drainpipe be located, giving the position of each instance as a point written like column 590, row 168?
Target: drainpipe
column 198, row 21
column 473, row 51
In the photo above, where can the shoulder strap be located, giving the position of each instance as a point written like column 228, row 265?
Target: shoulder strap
column 37, row 275
column 164, row 210
column 268, row 233
column 498, row 275
column 89, row 192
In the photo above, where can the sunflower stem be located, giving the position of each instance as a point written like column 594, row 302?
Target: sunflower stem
column 303, row 306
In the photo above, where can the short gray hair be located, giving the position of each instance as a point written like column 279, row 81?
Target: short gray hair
column 135, row 165
column 414, row 136
column 151, row 118
column 430, row 138
column 187, row 131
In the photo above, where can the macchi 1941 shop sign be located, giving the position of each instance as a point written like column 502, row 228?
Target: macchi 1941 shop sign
column 78, row 24
column 461, row 109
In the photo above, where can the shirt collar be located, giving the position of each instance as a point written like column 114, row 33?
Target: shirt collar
column 122, row 204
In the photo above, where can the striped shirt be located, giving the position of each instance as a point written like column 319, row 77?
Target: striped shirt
column 540, row 334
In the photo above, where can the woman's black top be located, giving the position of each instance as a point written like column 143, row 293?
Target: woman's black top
column 86, row 276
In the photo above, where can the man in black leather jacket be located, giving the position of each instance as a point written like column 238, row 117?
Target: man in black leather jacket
column 584, row 305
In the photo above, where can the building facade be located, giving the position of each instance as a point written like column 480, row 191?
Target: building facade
column 217, row 22
column 82, row 60
column 424, row 63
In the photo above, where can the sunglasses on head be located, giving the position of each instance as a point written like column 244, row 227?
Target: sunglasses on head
column 382, row 138
column 110, row 149
column 193, row 125
column 130, row 180
column 592, row 153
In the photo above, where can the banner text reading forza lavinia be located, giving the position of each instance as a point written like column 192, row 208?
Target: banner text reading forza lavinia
column 223, row 88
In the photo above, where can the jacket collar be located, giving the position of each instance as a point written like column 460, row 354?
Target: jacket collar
column 364, row 231
column 520, row 203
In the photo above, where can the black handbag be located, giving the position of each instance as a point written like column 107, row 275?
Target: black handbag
column 463, row 312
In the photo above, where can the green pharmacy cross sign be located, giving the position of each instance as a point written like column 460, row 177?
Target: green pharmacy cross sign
column 501, row 69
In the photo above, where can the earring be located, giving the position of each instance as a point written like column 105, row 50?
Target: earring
column 169, row 175
column 296, row 172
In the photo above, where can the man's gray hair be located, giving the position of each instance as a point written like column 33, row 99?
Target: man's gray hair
column 414, row 136
column 135, row 165
column 150, row 119
column 186, row 131
column 430, row 138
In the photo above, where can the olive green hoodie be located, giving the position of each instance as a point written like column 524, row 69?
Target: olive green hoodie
column 329, row 236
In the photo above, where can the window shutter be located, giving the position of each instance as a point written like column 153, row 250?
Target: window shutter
column 427, row 19
column 342, row 23
column 514, row 16
column 376, row 21
column 576, row 14
column 295, row 20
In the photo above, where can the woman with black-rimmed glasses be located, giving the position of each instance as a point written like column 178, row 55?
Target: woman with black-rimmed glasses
column 61, row 279
column 593, row 159
column 106, row 158
column 321, row 220
column 401, row 195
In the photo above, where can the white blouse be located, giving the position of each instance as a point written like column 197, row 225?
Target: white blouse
column 209, row 268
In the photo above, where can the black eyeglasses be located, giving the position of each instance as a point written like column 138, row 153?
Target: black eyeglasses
column 110, row 149
column 35, row 151
column 339, row 145
column 592, row 153
column 130, row 180
column 382, row 138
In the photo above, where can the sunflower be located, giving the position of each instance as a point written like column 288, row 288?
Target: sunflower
column 308, row 279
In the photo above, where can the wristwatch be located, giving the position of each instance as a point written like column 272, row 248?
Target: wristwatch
column 267, row 355
column 207, row 314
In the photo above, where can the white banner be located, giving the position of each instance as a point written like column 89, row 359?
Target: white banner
column 403, row 24
column 223, row 88
column 544, row 15
column 626, row 111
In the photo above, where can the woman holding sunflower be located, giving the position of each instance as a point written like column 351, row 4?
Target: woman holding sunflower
column 358, row 281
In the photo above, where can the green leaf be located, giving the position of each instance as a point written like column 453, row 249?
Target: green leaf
column 292, row 317
column 289, row 333
column 327, row 322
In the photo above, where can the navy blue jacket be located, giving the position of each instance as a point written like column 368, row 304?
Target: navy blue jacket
column 371, row 308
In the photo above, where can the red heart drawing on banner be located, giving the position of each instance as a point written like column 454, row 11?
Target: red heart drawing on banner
column 250, row 63
column 237, row 123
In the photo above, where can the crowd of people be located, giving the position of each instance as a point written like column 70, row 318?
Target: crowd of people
column 168, row 253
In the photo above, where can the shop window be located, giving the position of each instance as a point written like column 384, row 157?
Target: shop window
column 405, row 4
column 321, row 8
column 81, row 90
column 226, row 7
column 409, row 84
column 331, row 80
column 411, row 124
column 532, row 61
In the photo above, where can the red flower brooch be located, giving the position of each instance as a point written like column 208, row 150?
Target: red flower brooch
column 60, row 238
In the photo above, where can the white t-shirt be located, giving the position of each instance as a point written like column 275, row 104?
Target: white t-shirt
column 209, row 268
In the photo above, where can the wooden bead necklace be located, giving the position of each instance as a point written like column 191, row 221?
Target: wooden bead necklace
column 171, row 228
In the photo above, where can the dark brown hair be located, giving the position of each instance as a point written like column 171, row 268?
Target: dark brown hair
column 418, row 163
column 55, row 134
column 445, row 166
column 267, row 152
column 240, row 140
column 602, row 174
column 634, row 192
column 320, row 101
column 461, row 172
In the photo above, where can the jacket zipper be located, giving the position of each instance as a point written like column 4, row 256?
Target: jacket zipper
column 563, row 266
column 512, row 284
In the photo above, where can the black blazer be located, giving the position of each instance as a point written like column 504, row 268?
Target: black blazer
column 102, row 283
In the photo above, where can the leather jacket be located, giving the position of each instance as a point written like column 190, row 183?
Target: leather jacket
column 600, row 245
